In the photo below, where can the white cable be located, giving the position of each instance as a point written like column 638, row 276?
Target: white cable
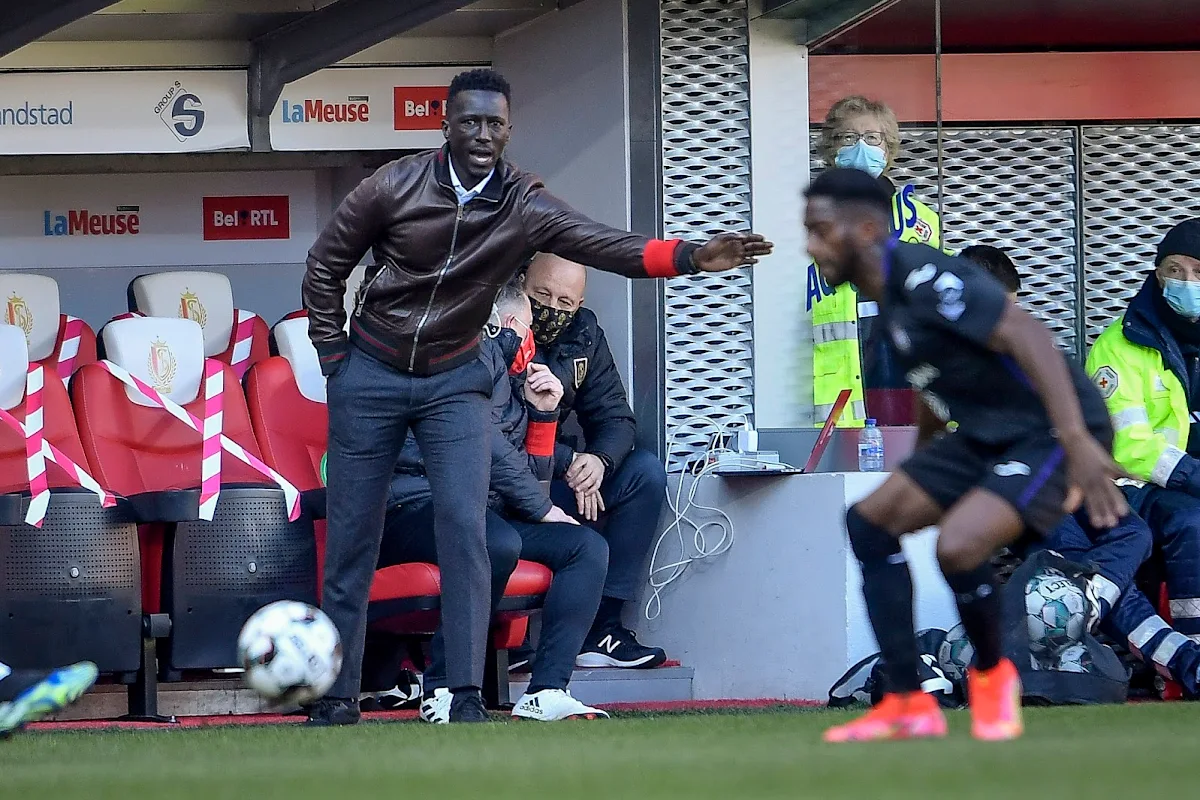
column 680, row 511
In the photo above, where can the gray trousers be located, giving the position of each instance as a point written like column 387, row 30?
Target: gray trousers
column 372, row 405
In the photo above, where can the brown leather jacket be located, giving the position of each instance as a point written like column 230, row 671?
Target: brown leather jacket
column 439, row 265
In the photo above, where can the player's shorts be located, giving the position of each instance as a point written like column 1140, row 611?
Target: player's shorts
column 1030, row 474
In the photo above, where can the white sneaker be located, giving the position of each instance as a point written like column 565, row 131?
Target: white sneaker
column 551, row 705
column 436, row 709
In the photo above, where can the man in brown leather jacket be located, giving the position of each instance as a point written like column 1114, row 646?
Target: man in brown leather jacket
column 448, row 228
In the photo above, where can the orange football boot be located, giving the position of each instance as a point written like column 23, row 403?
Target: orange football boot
column 995, row 696
column 914, row 715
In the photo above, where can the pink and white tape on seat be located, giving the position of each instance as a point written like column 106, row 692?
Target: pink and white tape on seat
column 210, row 429
column 68, row 350
column 243, row 339
column 37, row 450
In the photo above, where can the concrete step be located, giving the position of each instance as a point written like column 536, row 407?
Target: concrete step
column 192, row 699
column 230, row 696
column 599, row 686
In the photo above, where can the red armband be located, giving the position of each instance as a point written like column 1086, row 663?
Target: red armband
column 540, row 438
column 659, row 258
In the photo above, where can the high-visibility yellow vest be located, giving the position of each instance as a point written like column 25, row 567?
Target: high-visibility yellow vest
column 837, row 358
column 1147, row 402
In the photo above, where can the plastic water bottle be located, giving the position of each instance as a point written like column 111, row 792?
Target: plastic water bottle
column 870, row 448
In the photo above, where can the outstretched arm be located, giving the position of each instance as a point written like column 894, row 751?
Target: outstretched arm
column 553, row 226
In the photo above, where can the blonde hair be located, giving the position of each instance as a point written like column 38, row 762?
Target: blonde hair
column 857, row 106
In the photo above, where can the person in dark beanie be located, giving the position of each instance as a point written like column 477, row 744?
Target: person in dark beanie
column 448, row 228
column 1147, row 367
column 1117, row 606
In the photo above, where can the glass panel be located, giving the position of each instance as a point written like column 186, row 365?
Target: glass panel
column 874, row 105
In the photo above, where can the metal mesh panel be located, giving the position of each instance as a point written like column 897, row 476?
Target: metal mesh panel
column 1012, row 188
column 706, row 190
column 1137, row 183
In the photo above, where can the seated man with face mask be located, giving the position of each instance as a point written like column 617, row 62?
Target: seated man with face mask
column 521, row 522
column 1147, row 367
column 1117, row 606
column 603, row 477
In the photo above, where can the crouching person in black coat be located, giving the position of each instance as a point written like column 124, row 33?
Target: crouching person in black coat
column 604, row 479
column 521, row 522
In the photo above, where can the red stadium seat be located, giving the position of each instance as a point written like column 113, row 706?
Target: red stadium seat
column 207, row 575
column 286, row 397
column 55, row 340
column 69, row 590
column 231, row 335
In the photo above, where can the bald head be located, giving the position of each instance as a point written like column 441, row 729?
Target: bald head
column 556, row 282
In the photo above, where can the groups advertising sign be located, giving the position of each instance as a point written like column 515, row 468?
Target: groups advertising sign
column 168, row 111
column 363, row 109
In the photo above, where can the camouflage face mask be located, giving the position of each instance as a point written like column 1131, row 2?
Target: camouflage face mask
column 548, row 323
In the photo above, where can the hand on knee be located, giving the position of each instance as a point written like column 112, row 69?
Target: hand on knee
column 870, row 542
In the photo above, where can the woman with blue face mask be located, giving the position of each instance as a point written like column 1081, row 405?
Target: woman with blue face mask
column 863, row 150
column 862, row 134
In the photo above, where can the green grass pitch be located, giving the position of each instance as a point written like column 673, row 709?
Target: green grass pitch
column 1110, row 751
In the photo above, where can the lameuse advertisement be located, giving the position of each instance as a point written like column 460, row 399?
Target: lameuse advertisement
column 206, row 218
column 363, row 109
column 168, row 111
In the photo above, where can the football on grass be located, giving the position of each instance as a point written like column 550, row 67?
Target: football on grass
column 291, row 652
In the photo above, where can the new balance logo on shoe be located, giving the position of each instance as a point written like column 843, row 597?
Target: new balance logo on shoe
column 618, row 647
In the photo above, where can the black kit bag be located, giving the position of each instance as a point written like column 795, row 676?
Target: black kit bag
column 1059, row 662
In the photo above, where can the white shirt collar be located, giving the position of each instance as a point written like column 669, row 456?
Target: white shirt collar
column 466, row 195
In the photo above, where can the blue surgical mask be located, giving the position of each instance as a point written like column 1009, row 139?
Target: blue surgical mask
column 868, row 158
column 1183, row 297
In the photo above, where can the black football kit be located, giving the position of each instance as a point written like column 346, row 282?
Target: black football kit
column 939, row 312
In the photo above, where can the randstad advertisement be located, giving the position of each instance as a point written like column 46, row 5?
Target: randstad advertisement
column 363, row 108
column 168, row 111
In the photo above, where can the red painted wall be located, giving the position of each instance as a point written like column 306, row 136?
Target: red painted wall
column 1016, row 87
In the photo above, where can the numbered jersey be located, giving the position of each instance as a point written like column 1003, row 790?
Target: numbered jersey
column 939, row 312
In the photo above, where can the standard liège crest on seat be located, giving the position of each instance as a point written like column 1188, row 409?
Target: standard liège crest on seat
column 291, row 339
column 191, row 308
column 205, row 298
column 31, row 305
column 17, row 313
column 166, row 354
column 161, row 366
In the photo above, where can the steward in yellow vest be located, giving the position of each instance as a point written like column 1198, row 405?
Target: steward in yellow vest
column 1147, row 367
column 837, row 356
